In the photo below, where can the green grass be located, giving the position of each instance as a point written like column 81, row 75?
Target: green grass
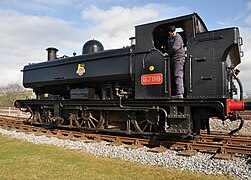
column 23, row 160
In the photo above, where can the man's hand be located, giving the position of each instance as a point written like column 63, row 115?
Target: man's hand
column 165, row 54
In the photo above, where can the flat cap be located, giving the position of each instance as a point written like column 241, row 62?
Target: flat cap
column 171, row 29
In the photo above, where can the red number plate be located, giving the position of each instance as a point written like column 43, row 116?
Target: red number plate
column 151, row 79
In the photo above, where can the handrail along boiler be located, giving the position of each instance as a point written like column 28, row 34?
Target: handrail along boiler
column 128, row 90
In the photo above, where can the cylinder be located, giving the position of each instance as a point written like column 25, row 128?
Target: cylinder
column 52, row 53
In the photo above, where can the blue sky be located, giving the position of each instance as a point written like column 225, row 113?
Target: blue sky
column 28, row 27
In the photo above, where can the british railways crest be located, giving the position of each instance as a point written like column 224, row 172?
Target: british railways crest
column 81, row 69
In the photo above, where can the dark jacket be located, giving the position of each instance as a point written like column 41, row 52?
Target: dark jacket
column 175, row 46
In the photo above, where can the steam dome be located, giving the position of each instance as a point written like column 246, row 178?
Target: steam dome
column 92, row 46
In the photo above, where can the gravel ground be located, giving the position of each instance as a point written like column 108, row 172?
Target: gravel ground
column 227, row 126
column 239, row 167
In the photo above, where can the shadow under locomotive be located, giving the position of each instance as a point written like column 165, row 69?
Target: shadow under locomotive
column 129, row 90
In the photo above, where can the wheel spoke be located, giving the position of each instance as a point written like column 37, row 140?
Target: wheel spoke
column 142, row 122
column 148, row 122
column 80, row 121
column 89, row 125
column 92, row 123
column 145, row 127
column 150, row 127
column 91, row 117
column 77, row 123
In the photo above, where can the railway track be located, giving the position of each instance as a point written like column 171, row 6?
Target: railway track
column 246, row 115
column 222, row 145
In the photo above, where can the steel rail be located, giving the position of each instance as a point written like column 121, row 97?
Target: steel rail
column 216, row 142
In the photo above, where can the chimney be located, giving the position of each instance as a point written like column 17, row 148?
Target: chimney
column 52, row 53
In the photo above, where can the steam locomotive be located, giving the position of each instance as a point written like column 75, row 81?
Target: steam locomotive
column 129, row 90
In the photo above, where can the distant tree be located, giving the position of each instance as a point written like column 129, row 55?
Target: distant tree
column 248, row 96
column 13, row 87
column 11, row 92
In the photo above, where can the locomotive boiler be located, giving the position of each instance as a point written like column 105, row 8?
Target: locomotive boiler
column 129, row 90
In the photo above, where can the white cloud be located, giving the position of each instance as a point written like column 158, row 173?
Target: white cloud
column 118, row 14
column 248, row 20
column 248, row 17
column 245, row 65
column 115, row 26
column 231, row 20
column 25, row 37
column 249, row 4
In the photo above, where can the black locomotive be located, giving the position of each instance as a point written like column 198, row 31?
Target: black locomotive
column 129, row 90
